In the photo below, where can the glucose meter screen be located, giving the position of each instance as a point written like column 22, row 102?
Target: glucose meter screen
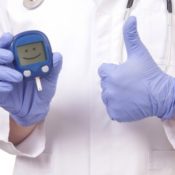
column 31, row 53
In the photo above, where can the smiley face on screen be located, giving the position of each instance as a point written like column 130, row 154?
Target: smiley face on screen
column 31, row 53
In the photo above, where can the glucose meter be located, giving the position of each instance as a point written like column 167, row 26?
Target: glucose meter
column 32, row 55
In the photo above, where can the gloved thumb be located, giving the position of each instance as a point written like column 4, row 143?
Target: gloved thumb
column 57, row 65
column 106, row 70
column 5, row 40
column 131, row 37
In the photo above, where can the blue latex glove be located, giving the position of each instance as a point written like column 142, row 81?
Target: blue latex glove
column 138, row 88
column 20, row 97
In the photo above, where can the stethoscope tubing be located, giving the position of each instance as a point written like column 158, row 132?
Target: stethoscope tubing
column 168, row 48
column 169, row 5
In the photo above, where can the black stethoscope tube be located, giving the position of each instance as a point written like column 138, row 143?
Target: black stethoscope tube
column 130, row 4
column 169, row 5
column 168, row 49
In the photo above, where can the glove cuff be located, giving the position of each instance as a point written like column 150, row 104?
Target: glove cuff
column 30, row 119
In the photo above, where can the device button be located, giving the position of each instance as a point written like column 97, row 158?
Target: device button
column 27, row 73
column 45, row 69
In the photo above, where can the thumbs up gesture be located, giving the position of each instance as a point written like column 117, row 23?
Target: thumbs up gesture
column 138, row 88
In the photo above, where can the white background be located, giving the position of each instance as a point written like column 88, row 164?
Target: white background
column 6, row 163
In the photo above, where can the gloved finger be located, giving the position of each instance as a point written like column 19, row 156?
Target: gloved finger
column 107, row 95
column 5, row 40
column 131, row 37
column 105, row 83
column 104, row 97
column 115, row 113
column 112, row 114
column 119, row 113
column 6, row 56
column 106, row 70
column 10, row 75
column 57, row 65
column 5, row 87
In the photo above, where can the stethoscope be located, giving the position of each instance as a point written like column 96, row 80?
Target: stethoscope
column 32, row 4
column 168, row 48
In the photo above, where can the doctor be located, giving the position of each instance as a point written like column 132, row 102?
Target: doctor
column 75, row 135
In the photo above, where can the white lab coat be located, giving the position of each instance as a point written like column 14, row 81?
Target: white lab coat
column 78, row 137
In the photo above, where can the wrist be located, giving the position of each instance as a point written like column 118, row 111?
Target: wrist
column 19, row 133
column 31, row 117
column 28, row 121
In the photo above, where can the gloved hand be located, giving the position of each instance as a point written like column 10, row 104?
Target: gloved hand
column 20, row 97
column 137, row 88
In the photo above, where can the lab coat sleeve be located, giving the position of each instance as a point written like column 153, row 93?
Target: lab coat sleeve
column 169, row 126
column 32, row 146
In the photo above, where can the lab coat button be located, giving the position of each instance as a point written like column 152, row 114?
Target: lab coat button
column 45, row 69
column 32, row 4
column 27, row 73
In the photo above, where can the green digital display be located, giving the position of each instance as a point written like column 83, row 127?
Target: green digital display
column 31, row 53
